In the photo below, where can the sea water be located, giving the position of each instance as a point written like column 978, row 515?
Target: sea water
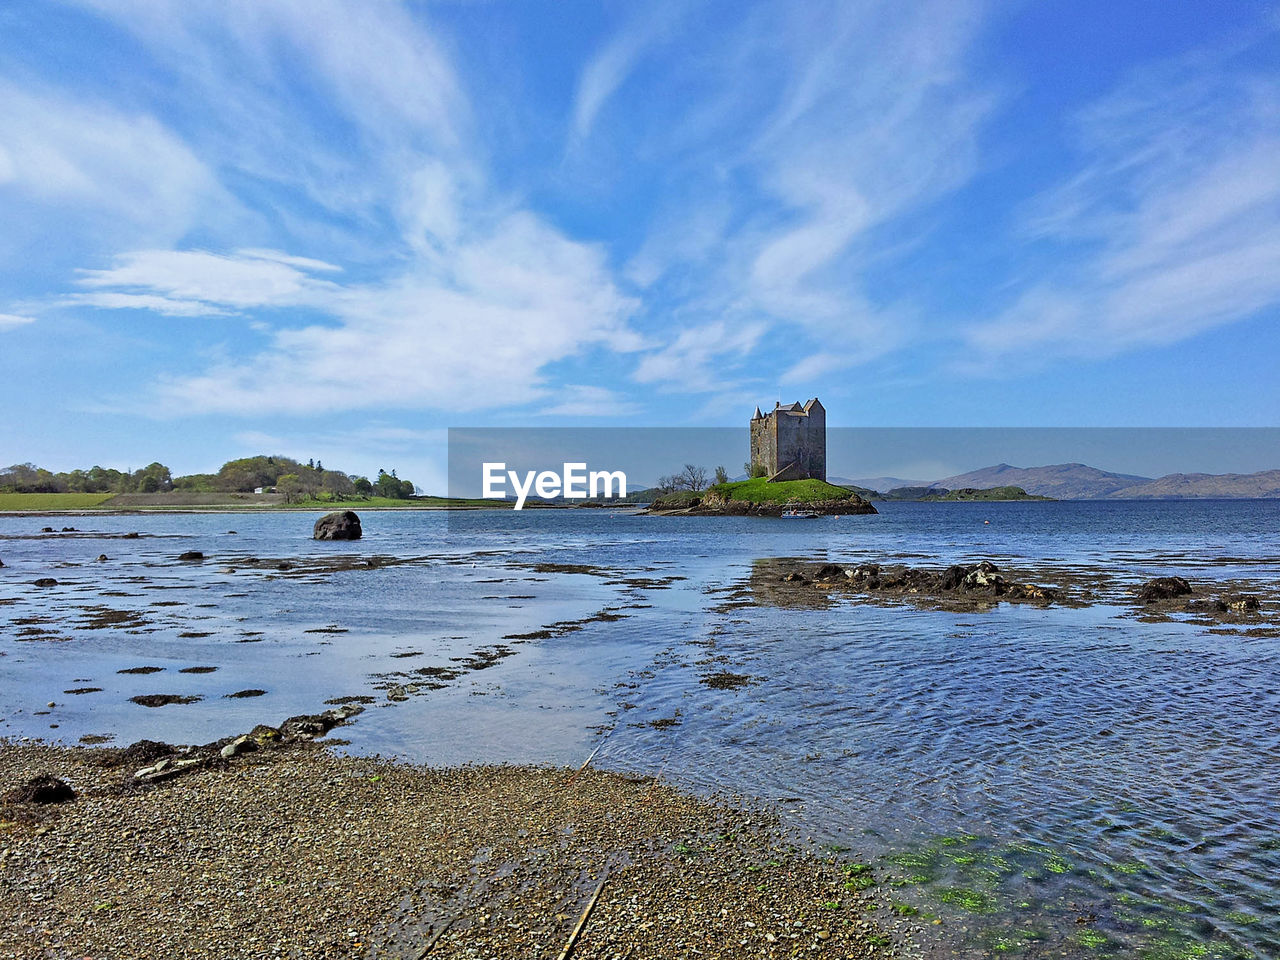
column 1037, row 781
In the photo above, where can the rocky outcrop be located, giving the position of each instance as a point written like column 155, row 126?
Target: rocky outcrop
column 164, row 761
column 1163, row 588
column 714, row 505
column 339, row 525
column 974, row 580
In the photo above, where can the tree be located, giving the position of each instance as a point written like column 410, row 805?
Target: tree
column 249, row 473
column 338, row 484
column 722, row 475
column 692, row 477
column 362, row 486
column 152, row 478
column 291, row 486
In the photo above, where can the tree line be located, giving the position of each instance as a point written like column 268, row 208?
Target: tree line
column 292, row 478
column 691, row 477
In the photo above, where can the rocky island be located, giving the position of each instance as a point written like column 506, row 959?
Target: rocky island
column 760, row 497
column 787, row 473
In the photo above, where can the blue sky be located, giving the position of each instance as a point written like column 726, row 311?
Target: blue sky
column 334, row 229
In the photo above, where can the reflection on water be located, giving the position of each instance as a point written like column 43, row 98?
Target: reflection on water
column 1031, row 780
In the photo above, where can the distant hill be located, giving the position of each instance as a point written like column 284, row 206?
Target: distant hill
column 1062, row 481
column 883, row 484
column 1189, row 486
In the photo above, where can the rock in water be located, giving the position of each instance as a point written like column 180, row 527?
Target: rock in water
column 830, row 571
column 341, row 525
column 1163, row 588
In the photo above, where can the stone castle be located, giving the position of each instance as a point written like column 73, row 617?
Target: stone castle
column 790, row 443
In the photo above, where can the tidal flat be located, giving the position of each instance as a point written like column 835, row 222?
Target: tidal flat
column 1081, row 773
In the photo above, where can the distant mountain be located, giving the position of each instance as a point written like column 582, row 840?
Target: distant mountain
column 883, row 484
column 1062, row 481
column 1189, row 486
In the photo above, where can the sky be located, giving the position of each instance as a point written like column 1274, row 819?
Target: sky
column 335, row 230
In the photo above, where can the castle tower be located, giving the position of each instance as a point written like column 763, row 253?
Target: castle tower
column 790, row 443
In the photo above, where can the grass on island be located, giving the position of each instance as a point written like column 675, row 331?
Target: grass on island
column 991, row 493
column 760, row 490
column 52, row 501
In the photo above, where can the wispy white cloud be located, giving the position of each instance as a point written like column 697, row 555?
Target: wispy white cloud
column 576, row 400
column 247, row 278
column 10, row 321
column 118, row 172
column 609, row 68
column 473, row 294
column 814, row 131
column 165, row 306
column 1171, row 228
column 700, row 358
column 474, row 330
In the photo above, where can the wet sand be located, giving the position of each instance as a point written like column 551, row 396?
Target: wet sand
column 297, row 852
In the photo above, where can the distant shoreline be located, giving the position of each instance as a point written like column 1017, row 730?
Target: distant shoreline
column 498, row 505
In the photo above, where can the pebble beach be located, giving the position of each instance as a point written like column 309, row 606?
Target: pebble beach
column 296, row 852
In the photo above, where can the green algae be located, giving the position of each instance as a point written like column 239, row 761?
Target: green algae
column 974, row 901
column 970, row 875
column 1090, row 939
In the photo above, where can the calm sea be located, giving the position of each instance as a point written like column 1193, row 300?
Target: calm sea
column 1038, row 782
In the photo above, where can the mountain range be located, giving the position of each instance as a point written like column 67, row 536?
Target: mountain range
column 1078, row 481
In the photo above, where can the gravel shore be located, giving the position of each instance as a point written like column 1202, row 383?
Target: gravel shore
column 299, row 853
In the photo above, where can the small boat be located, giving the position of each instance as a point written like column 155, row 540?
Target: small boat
column 793, row 514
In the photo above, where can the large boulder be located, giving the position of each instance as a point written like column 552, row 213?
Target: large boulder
column 340, row 525
column 1163, row 588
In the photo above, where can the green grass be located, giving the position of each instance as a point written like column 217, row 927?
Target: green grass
column 760, row 490
column 52, row 501
column 994, row 493
column 181, row 500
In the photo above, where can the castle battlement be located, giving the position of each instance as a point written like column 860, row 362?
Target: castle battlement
column 790, row 442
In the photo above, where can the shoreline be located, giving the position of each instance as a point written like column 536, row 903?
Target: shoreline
column 298, row 850
column 638, row 509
